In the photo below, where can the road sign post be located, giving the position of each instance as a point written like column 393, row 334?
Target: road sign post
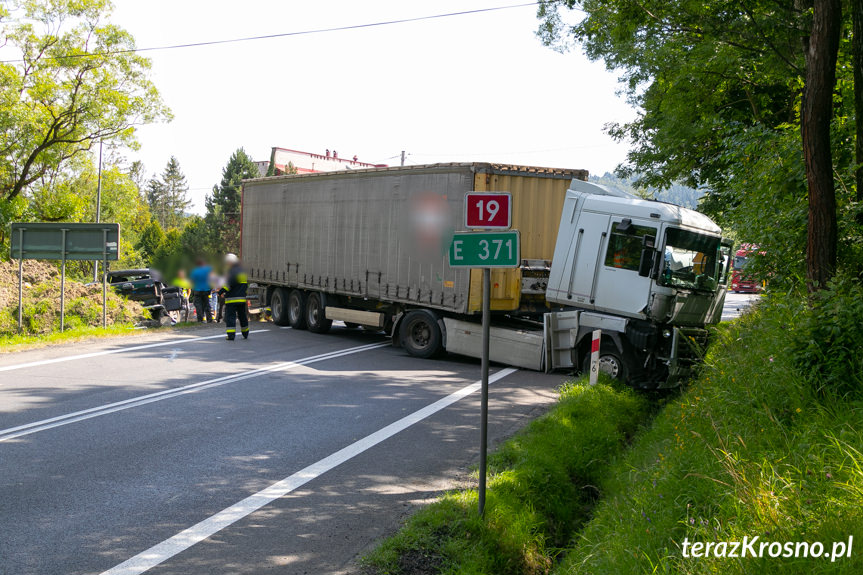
column 485, row 250
column 483, row 424
column 64, row 241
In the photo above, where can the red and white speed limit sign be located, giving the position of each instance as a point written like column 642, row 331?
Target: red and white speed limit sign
column 488, row 211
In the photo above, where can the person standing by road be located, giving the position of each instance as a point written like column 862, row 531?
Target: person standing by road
column 235, row 298
column 201, row 285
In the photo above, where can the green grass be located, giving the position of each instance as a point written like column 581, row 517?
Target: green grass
column 755, row 447
column 15, row 342
column 542, row 485
column 767, row 442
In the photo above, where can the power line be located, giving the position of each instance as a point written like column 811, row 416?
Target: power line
column 285, row 34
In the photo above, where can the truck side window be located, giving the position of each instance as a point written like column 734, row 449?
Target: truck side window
column 624, row 248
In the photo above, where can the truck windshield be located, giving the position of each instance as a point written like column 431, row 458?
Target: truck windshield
column 740, row 262
column 690, row 260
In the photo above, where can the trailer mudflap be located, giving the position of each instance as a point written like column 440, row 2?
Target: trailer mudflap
column 517, row 347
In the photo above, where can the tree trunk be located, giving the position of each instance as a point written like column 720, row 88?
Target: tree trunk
column 857, row 43
column 816, row 114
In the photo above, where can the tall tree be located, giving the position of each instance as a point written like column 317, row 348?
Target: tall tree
column 720, row 85
column 857, row 63
column 155, row 193
column 168, row 196
column 822, row 48
column 223, row 205
column 71, row 79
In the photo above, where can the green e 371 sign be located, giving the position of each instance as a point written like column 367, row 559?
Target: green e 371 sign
column 485, row 249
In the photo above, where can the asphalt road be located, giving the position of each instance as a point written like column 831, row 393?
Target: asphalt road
column 736, row 304
column 182, row 453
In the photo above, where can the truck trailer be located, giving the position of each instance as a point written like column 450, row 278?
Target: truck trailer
column 369, row 247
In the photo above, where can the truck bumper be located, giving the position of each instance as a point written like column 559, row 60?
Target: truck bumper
column 687, row 351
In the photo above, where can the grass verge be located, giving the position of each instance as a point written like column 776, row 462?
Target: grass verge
column 13, row 343
column 754, row 448
column 541, row 487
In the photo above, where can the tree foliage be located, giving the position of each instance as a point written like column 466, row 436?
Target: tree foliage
column 150, row 240
column 167, row 196
column 223, row 205
column 74, row 81
column 181, row 249
column 70, row 196
column 718, row 86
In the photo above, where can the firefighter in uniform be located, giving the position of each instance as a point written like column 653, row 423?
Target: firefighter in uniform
column 234, row 291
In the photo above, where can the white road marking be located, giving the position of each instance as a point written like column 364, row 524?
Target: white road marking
column 163, row 551
column 112, row 351
column 45, row 424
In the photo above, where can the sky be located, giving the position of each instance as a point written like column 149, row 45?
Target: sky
column 475, row 87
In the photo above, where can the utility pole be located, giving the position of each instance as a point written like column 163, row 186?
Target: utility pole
column 98, row 207
column 403, row 157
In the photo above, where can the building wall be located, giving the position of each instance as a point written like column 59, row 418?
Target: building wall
column 306, row 162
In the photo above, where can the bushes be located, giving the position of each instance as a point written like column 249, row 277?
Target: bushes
column 829, row 339
column 767, row 443
column 542, row 485
column 750, row 449
column 41, row 305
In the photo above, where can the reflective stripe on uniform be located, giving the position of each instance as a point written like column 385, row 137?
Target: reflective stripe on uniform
column 245, row 330
column 242, row 279
column 231, row 330
column 236, row 300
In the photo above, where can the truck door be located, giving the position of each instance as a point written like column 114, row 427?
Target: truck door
column 619, row 288
column 580, row 241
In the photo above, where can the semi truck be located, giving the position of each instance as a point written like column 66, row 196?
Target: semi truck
column 369, row 247
column 741, row 282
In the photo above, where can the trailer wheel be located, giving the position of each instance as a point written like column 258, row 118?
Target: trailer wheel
column 316, row 320
column 420, row 334
column 297, row 309
column 611, row 362
column 279, row 306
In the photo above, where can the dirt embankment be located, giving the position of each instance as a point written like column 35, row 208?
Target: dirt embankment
column 41, row 305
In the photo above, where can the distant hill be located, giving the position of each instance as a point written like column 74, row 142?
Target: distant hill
column 677, row 194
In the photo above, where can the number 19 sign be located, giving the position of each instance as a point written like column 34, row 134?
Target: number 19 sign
column 485, row 249
column 488, row 211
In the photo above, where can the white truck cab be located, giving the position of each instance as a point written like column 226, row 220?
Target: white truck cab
column 651, row 275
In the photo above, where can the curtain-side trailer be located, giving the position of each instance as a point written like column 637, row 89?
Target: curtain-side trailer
column 369, row 247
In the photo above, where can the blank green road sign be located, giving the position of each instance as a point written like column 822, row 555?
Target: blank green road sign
column 53, row 241
column 485, row 249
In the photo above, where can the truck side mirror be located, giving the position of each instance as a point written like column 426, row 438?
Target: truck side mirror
column 645, row 264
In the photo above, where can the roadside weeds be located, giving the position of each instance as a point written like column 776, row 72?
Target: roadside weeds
column 542, row 486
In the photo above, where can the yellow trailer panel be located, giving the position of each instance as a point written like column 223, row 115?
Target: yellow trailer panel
column 537, row 198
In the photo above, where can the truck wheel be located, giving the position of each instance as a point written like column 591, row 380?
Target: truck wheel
column 420, row 334
column 279, row 307
column 297, row 309
column 316, row 319
column 611, row 362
